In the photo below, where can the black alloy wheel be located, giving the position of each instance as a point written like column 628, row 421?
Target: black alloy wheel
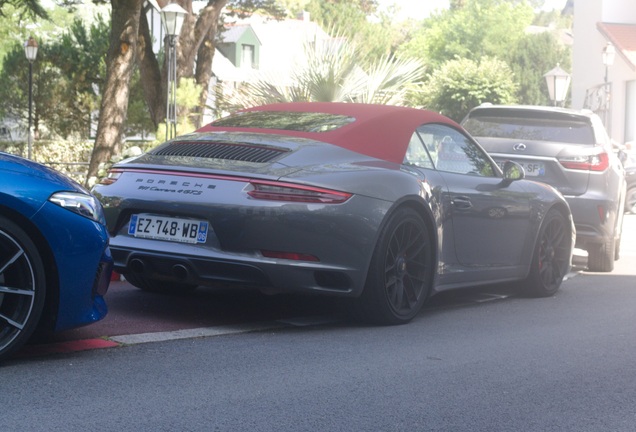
column 551, row 256
column 22, row 287
column 400, row 275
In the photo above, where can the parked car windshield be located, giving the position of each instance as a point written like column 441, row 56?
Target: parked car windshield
column 566, row 131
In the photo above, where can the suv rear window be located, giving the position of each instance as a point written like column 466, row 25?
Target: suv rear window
column 540, row 129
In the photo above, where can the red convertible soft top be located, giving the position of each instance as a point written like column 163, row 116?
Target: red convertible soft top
column 379, row 131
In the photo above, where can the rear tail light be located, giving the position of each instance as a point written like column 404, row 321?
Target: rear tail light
column 111, row 177
column 592, row 162
column 274, row 191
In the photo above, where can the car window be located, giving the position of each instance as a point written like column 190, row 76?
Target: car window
column 417, row 154
column 452, row 151
column 528, row 128
column 284, row 120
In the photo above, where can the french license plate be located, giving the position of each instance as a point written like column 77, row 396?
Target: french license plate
column 168, row 228
column 532, row 169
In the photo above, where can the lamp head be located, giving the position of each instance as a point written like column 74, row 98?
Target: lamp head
column 609, row 52
column 31, row 49
column 558, row 82
column 172, row 16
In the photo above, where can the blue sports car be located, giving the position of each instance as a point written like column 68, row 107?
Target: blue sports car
column 55, row 263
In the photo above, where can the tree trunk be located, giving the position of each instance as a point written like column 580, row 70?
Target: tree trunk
column 205, row 54
column 120, row 63
column 152, row 84
column 195, row 47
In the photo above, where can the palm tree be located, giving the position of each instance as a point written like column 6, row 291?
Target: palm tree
column 334, row 72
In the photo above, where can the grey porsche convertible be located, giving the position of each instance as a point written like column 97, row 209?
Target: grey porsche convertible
column 384, row 205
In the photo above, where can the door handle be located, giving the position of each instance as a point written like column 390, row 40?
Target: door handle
column 461, row 203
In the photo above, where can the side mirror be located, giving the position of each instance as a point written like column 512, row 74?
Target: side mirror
column 512, row 171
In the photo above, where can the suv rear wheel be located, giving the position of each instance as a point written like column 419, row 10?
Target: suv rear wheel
column 600, row 258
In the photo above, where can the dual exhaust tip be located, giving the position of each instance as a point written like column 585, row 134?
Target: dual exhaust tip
column 179, row 271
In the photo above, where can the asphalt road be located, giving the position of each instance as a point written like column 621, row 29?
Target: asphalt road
column 471, row 362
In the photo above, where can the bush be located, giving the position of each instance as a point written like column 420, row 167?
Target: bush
column 461, row 84
column 71, row 158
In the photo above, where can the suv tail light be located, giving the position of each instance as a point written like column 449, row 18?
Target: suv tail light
column 592, row 162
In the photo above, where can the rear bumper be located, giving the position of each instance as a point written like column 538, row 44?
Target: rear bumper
column 328, row 248
column 594, row 219
column 265, row 274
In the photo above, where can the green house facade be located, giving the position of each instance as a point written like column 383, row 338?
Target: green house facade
column 241, row 46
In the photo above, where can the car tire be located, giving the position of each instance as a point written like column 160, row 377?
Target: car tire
column 157, row 286
column 601, row 257
column 619, row 231
column 22, row 287
column 401, row 271
column 630, row 200
column 551, row 256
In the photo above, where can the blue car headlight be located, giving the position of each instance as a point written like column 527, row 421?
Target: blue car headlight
column 82, row 204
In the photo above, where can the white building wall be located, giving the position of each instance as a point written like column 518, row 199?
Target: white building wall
column 587, row 65
column 618, row 11
column 588, row 69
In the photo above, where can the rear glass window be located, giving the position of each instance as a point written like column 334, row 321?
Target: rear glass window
column 285, row 120
column 566, row 131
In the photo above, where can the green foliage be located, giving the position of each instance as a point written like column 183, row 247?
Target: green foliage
column 350, row 19
column 188, row 93
column 494, row 29
column 293, row 7
column 14, row 93
column 80, row 57
column 70, row 157
column 138, row 120
column 552, row 18
column 479, row 28
column 9, row 31
column 26, row 8
column 16, row 25
column 244, row 8
column 188, row 96
column 461, row 84
column 81, row 53
column 67, row 75
column 534, row 55
column 14, row 88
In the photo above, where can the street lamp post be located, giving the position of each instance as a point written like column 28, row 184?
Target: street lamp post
column 609, row 52
column 31, row 51
column 558, row 82
column 172, row 16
